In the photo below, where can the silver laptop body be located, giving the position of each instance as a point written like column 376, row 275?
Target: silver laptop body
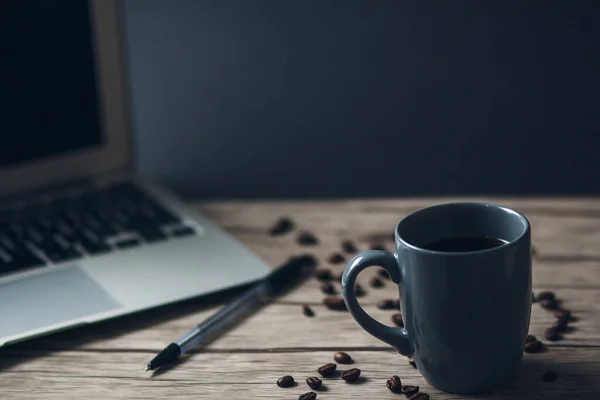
column 81, row 238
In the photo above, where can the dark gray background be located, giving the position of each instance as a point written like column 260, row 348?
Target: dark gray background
column 242, row 98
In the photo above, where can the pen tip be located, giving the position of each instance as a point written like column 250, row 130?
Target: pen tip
column 147, row 368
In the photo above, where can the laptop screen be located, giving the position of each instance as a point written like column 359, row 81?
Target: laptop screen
column 48, row 94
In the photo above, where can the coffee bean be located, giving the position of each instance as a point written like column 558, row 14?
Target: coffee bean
column 328, row 288
column 561, row 324
column 389, row 304
column 323, row 274
column 534, row 346
column 397, row 320
column 307, row 239
column 412, row 362
column 386, row 304
column 308, row 311
column 349, row 247
column 283, row 225
column 383, row 273
column 308, row 396
column 327, row 369
column 562, row 313
column 336, row 258
column 552, row 334
column 547, row 295
column 419, row 396
column 314, row 383
column 409, row 390
column 335, row 303
column 549, row 304
column 285, row 381
column 394, row 384
column 375, row 282
column 359, row 291
column 378, row 247
column 351, row 375
column 342, row 358
column 530, row 338
column 549, row 376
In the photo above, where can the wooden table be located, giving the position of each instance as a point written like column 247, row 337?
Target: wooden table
column 107, row 360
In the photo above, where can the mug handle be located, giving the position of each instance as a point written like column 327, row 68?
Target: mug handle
column 396, row 337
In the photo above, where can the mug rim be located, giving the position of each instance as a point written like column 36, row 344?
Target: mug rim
column 508, row 210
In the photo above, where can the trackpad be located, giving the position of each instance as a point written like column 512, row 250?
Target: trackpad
column 50, row 299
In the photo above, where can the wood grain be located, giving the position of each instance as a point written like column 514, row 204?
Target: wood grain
column 149, row 329
column 106, row 360
column 152, row 331
column 560, row 233
column 253, row 376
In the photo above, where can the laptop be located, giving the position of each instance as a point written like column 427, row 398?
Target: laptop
column 82, row 239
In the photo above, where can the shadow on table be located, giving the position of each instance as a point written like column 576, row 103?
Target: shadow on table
column 73, row 338
column 575, row 381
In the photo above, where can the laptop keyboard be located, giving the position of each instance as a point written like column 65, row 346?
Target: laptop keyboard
column 99, row 221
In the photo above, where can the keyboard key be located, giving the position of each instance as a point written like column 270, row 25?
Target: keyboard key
column 64, row 229
column 91, row 221
column 105, row 230
column 71, row 216
column 127, row 243
column 94, row 248
column 8, row 242
column 140, row 222
column 67, row 255
column 44, row 224
column 18, row 258
column 34, row 236
column 101, row 213
column 57, row 253
column 21, row 255
column 183, row 231
column 5, row 260
column 15, row 230
column 152, row 235
column 24, row 262
column 91, row 243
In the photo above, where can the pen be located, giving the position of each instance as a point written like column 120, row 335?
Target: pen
column 277, row 282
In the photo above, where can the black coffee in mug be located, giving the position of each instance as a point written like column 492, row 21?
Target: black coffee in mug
column 465, row 243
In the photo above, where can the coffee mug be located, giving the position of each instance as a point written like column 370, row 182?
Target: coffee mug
column 464, row 272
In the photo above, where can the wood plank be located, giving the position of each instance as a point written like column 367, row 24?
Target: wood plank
column 562, row 230
column 566, row 274
column 557, row 276
column 283, row 326
column 71, row 375
column 532, row 205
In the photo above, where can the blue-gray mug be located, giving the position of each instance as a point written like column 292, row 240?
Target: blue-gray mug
column 465, row 309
